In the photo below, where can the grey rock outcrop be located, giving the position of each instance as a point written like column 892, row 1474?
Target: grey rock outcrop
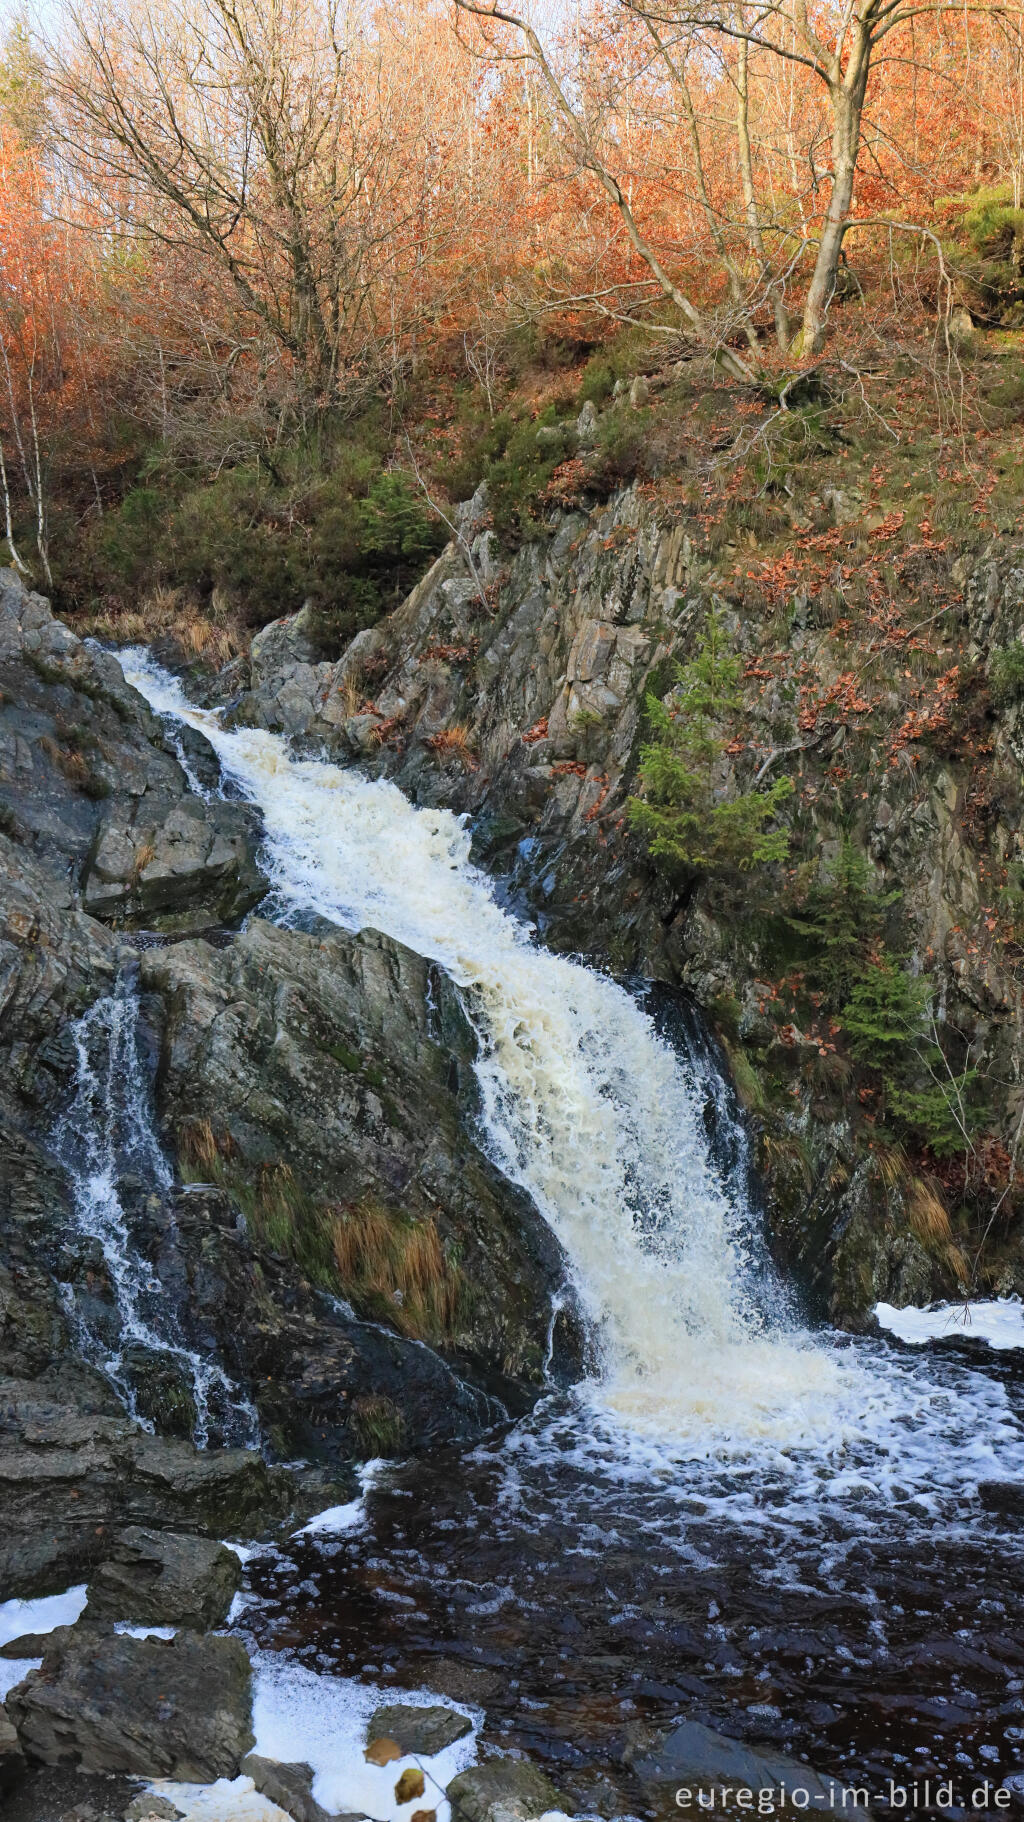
column 164, row 1578
column 71, row 1476
column 337, row 1071
column 160, row 1708
column 290, row 1787
column 90, row 785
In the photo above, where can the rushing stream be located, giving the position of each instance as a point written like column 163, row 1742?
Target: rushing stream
column 735, row 1517
column 108, row 1146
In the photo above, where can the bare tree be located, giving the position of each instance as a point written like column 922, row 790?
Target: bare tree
column 840, row 50
column 232, row 128
column 585, row 139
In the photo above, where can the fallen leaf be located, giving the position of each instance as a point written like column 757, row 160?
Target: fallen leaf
column 381, row 1752
column 409, row 1785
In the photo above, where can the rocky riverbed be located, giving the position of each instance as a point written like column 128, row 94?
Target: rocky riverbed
column 326, row 1230
column 286, row 1197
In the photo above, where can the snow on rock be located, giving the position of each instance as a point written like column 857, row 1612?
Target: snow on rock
column 1000, row 1322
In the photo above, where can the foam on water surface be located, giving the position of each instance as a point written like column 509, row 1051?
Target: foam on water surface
column 599, row 1119
column 229, row 1800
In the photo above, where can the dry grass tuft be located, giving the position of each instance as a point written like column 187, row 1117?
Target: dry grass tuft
column 454, row 742
column 199, row 1148
column 927, row 1215
column 208, row 633
column 143, row 855
column 397, row 1266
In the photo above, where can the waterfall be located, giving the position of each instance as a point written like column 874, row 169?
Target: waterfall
column 583, row 1103
column 107, row 1143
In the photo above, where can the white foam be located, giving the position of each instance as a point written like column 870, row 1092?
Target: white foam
column 229, row 1800
column 593, row 1113
column 44, row 1614
column 14, row 1671
column 244, row 1552
column 1000, row 1322
column 145, row 1632
column 323, row 1720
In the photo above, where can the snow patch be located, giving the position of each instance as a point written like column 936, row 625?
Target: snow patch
column 298, row 1715
column 42, row 1615
column 999, row 1322
column 229, row 1800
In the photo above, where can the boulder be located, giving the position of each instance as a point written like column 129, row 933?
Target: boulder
column 159, row 1708
column 512, row 1787
column 12, row 1759
column 291, row 1788
column 164, row 1578
column 152, row 1808
column 420, row 1730
column 90, row 779
column 71, row 1477
column 185, row 865
column 716, row 1768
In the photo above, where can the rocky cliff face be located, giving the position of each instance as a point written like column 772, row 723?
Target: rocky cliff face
column 511, row 684
column 333, row 1239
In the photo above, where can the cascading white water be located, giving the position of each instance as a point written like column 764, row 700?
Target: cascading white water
column 597, row 1117
column 105, row 1134
column 583, row 1103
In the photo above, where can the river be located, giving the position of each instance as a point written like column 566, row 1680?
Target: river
column 735, row 1517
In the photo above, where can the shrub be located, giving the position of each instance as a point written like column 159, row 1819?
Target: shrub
column 840, row 919
column 1006, row 673
column 327, row 523
column 682, row 810
column 888, row 1024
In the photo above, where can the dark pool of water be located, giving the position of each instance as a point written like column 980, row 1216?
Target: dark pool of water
column 573, row 1606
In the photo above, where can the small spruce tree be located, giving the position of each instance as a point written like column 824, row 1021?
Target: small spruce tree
column 681, row 812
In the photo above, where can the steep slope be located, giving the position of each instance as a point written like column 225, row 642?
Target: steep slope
column 511, row 684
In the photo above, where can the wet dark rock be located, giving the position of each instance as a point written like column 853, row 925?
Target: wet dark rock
column 695, row 1758
column 162, row 1390
column 12, row 1759
column 1003, row 1496
column 158, row 1708
column 420, row 1730
column 164, row 1578
column 291, row 1788
column 71, row 1478
column 339, row 1068
column 61, row 1794
column 511, row 1786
